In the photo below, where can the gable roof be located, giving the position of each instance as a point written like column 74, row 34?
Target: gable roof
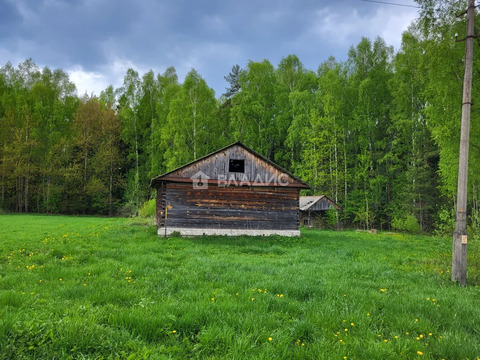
column 307, row 202
column 296, row 182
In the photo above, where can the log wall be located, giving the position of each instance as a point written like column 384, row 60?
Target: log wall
column 231, row 207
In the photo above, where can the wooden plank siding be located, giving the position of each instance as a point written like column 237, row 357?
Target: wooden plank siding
column 322, row 204
column 257, row 170
column 231, row 207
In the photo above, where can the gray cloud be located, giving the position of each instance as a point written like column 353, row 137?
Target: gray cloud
column 99, row 39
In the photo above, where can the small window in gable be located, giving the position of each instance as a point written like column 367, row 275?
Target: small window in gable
column 236, row 165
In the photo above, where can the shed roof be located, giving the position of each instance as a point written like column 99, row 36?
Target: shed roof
column 183, row 173
column 307, row 202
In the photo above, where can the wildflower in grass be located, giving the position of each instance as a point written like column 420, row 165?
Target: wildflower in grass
column 174, row 331
column 60, row 279
column 253, row 299
column 385, row 341
column 213, row 299
column 429, row 334
column 407, row 333
column 236, row 293
column 303, row 344
column 383, row 290
column 420, row 353
column 421, row 336
column 345, row 358
column 352, row 324
column 416, row 320
column 340, row 340
column 270, row 339
column 346, row 330
column 368, row 314
column 417, row 338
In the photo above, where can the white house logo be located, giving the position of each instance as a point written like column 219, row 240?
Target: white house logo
column 200, row 180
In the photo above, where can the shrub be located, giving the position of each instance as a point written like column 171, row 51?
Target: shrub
column 331, row 218
column 445, row 223
column 408, row 223
column 148, row 208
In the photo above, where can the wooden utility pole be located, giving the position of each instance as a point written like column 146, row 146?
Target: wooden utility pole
column 459, row 251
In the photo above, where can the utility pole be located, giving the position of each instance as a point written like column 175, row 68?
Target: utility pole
column 459, row 249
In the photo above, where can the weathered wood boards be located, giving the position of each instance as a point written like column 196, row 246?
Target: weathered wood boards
column 313, row 209
column 230, row 192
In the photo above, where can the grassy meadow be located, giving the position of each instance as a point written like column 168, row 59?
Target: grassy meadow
column 85, row 287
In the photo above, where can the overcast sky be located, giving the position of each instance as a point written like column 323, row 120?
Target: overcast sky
column 96, row 41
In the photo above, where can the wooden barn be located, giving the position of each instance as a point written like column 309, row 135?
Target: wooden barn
column 233, row 191
column 313, row 210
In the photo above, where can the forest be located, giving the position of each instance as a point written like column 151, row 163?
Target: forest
column 378, row 133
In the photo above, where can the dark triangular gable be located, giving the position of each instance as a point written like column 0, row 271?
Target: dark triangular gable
column 317, row 203
column 214, row 168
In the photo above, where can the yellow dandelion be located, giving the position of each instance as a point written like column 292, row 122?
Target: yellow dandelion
column 420, row 353
column 385, row 341
column 303, row 344
column 417, row 338
column 352, row 324
column 407, row 333
column 60, row 279
column 429, row 334
column 396, row 337
column 421, row 336
column 270, row 339
column 340, row 340
column 346, row 329
column 174, row 331
column 253, row 299
column 368, row 314
column 213, row 299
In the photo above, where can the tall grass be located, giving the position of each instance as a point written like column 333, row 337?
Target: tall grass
column 107, row 288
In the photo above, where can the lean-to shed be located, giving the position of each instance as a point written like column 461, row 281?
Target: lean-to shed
column 233, row 191
column 313, row 209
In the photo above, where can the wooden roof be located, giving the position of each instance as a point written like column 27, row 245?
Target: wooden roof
column 214, row 169
column 311, row 203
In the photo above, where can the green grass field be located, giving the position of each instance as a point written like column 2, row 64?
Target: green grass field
column 83, row 287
